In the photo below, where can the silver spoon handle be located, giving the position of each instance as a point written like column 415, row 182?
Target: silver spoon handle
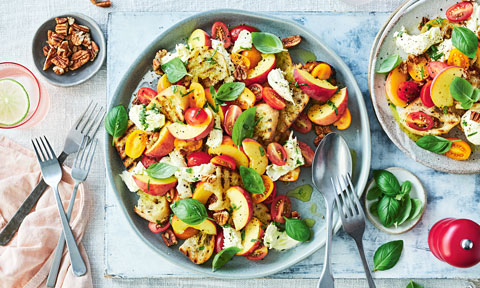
column 359, row 243
column 78, row 265
column 326, row 279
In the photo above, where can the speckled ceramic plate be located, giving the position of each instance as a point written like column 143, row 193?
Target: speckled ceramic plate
column 409, row 15
column 357, row 137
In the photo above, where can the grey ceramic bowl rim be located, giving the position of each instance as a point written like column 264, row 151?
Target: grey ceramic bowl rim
column 363, row 174
column 100, row 42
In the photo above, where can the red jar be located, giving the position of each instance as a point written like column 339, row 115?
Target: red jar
column 456, row 241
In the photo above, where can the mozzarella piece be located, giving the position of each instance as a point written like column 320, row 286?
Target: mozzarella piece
column 418, row 44
column 244, row 42
column 473, row 23
column 181, row 51
column 294, row 160
column 445, row 47
column 127, row 178
column 153, row 119
column 195, row 173
column 274, row 239
column 276, row 80
column 231, row 238
column 471, row 128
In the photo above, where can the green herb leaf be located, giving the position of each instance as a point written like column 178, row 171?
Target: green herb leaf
column 388, row 210
column 405, row 210
column 175, row 70
column 413, row 285
column 252, row 181
column 190, row 211
column 223, row 257
column 464, row 92
column 387, row 182
column 161, row 170
column 230, row 91
column 374, row 193
column 374, row 208
column 465, row 40
column 244, row 126
column 387, row 255
column 267, row 43
column 334, row 107
column 116, row 121
column 417, row 208
column 297, row 229
column 435, row 144
column 389, row 64
column 406, row 188
column 433, row 53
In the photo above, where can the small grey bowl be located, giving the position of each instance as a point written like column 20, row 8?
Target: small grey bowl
column 82, row 74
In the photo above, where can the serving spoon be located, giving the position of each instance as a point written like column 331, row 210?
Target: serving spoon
column 332, row 158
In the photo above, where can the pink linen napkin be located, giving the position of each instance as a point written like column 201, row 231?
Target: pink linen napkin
column 26, row 260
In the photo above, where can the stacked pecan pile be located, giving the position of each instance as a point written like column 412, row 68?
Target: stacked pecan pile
column 69, row 47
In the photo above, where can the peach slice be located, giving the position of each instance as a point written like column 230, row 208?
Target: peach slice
column 440, row 90
column 154, row 186
column 241, row 205
column 186, row 132
column 260, row 72
column 207, row 226
column 394, row 79
column 326, row 114
column 201, row 194
column 229, row 148
column 253, row 236
column 164, row 144
column 257, row 155
column 318, row 89
column 198, row 38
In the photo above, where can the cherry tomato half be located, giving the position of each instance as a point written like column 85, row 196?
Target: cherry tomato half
column 147, row 160
column 198, row 158
column 230, row 117
column 302, row 124
column 145, row 95
column 220, row 32
column 281, row 206
column 225, row 161
column 408, row 91
column 269, row 186
column 195, row 116
column 460, row 150
column 158, row 228
column 276, row 154
column 272, row 98
column 307, row 153
column 258, row 254
column 219, row 241
column 272, row 196
column 460, row 11
column 236, row 30
column 257, row 89
column 419, row 121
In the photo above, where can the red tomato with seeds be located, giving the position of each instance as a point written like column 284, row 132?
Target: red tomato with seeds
column 225, row 161
column 145, row 95
column 220, row 32
column 195, row 116
column 258, row 254
column 236, row 30
column 460, row 11
column 408, row 91
column 158, row 228
column 419, row 121
column 257, row 89
column 307, row 153
column 198, row 158
column 233, row 112
column 276, row 154
column 281, row 206
column 273, row 99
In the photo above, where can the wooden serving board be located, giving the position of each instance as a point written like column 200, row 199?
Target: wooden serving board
column 351, row 36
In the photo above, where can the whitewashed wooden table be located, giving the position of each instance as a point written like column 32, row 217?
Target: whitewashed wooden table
column 18, row 22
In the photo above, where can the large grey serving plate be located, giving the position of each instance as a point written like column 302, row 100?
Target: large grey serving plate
column 357, row 136
column 409, row 15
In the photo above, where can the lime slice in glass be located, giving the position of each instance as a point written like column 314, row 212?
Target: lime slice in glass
column 14, row 102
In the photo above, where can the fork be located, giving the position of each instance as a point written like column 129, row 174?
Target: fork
column 81, row 167
column 84, row 125
column 52, row 174
column 353, row 218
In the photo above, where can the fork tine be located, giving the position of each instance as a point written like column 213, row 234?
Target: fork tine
column 51, row 151
column 36, row 151
column 354, row 196
column 44, row 158
column 345, row 201
column 341, row 211
column 83, row 124
column 100, row 121
column 79, row 119
column 82, row 146
column 351, row 202
column 94, row 144
column 86, row 155
column 94, row 120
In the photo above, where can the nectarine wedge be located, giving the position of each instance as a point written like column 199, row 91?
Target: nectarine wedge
column 154, row 186
column 331, row 111
column 317, row 89
column 394, row 79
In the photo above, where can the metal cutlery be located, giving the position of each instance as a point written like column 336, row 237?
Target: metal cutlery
column 81, row 167
column 87, row 124
column 52, row 174
column 352, row 216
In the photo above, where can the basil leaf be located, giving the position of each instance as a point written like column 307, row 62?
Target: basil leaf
column 413, row 285
column 389, row 64
column 297, row 229
column 161, row 170
column 405, row 210
column 175, row 70
column 230, row 91
column 267, row 43
column 417, row 208
column 223, row 257
column 252, row 181
column 435, row 144
column 374, row 193
column 463, row 92
column 406, row 188
column 116, row 121
column 374, row 208
column 244, row 126
column 387, row 182
column 387, row 255
column 190, row 211
column 388, row 210
column 465, row 40
column 433, row 53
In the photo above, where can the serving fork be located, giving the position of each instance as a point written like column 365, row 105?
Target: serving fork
column 52, row 174
column 353, row 218
column 81, row 167
column 87, row 124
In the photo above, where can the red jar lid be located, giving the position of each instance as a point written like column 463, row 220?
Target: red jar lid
column 459, row 242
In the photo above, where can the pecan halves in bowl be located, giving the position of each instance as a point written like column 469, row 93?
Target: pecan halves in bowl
column 60, row 61
column 291, row 41
column 79, row 59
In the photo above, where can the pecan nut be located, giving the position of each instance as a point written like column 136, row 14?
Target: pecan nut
column 46, row 49
column 93, row 50
column 79, row 59
column 104, row 4
column 58, row 70
column 157, row 61
column 61, row 20
column 240, row 72
column 78, row 37
column 475, row 116
column 54, row 39
column 291, row 41
column 169, row 237
column 310, row 65
column 60, row 61
column 48, row 61
column 321, row 131
column 64, row 50
column 62, row 28
column 79, row 27
column 221, row 217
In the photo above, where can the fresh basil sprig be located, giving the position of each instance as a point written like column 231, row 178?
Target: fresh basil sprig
column 387, row 182
column 267, row 43
column 227, row 92
column 465, row 40
column 388, row 210
column 244, row 126
column 464, row 92
column 374, row 193
column 175, row 70
column 190, row 211
column 252, row 181
column 389, row 64
column 223, row 257
column 161, row 170
column 435, row 144
column 412, row 284
column 433, row 53
column 116, row 122
column 297, row 229
column 387, row 255
column 405, row 211
column 417, row 208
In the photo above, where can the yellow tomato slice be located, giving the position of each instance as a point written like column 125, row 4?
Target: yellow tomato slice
column 460, row 150
column 239, row 59
column 322, row 71
column 418, row 69
column 196, row 98
column 457, row 58
column 135, row 144
column 344, row 121
column 245, row 100
column 163, row 83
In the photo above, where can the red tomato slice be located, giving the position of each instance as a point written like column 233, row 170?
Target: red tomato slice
column 220, row 32
column 273, row 99
column 302, row 124
column 219, row 241
column 307, row 153
column 460, row 11
column 281, row 206
column 258, row 254
column 272, row 196
column 257, row 89
column 195, row 116
column 419, row 121
column 225, row 161
column 425, row 95
column 435, row 67
column 231, row 116
column 158, row 228
column 408, row 91
column 277, row 154
column 145, row 95
column 236, row 30
column 198, row 158
column 147, row 161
